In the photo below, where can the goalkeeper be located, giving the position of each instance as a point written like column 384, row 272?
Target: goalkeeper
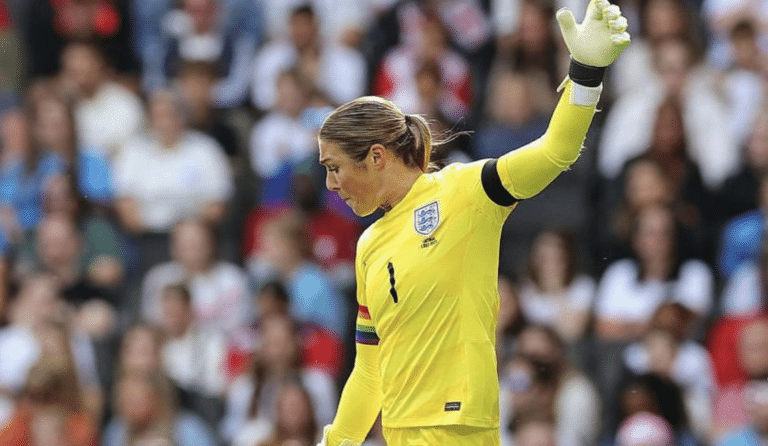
column 427, row 283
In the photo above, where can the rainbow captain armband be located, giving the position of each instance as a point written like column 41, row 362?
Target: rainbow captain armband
column 365, row 333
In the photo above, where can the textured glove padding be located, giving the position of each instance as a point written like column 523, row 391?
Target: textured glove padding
column 600, row 38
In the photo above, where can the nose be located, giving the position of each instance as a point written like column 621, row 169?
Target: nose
column 330, row 183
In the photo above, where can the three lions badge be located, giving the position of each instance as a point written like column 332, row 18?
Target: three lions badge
column 426, row 219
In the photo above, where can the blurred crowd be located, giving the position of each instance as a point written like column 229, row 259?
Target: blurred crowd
column 174, row 272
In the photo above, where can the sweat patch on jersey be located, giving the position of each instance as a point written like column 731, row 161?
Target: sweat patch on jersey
column 365, row 333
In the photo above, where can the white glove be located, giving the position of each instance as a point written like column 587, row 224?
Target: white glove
column 343, row 443
column 600, row 38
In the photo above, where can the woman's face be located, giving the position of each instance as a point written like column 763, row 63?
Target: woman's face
column 140, row 351
column 645, row 185
column 550, row 258
column 135, row 401
column 53, row 126
column 356, row 183
column 655, row 233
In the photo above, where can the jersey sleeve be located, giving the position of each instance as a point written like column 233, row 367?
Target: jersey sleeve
column 528, row 170
column 361, row 399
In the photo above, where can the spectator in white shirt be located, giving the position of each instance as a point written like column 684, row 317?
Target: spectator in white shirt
column 554, row 293
column 336, row 71
column 632, row 289
column 221, row 297
column 107, row 113
column 171, row 173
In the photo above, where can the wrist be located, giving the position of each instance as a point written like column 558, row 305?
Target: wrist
column 585, row 75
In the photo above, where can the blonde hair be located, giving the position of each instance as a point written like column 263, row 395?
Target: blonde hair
column 363, row 122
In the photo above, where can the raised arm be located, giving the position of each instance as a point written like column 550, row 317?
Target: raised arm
column 594, row 44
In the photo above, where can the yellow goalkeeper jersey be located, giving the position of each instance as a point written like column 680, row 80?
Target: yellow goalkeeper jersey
column 428, row 297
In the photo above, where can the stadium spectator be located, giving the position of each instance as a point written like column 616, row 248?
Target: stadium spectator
column 333, row 235
column 51, row 410
column 339, row 22
column 55, row 131
column 240, row 19
column 108, row 115
column 396, row 78
column 757, row 412
column 658, row 21
column 534, row 46
column 663, row 174
column 632, row 289
column 320, row 348
column 526, row 388
column 667, row 350
column 35, row 310
column 193, row 357
column 643, row 395
column 746, row 291
column 145, row 413
column 337, row 72
column 576, row 403
column 196, row 81
column 743, row 82
column 102, row 256
column 514, row 115
column 287, row 254
column 555, row 293
column 25, row 171
column 220, row 294
column 171, row 173
column 741, row 237
column 295, row 422
column 740, row 192
column 628, row 128
column 752, row 350
column 282, row 142
column 252, row 399
column 53, row 24
column 197, row 32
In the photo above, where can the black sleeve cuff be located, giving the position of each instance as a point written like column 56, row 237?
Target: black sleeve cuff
column 493, row 187
column 586, row 75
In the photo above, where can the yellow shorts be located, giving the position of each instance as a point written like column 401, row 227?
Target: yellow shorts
column 442, row 436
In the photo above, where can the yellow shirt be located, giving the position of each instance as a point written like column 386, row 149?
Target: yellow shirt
column 429, row 282
column 427, row 285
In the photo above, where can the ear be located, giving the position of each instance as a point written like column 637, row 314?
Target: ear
column 378, row 156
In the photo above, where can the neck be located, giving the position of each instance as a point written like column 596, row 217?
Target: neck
column 397, row 185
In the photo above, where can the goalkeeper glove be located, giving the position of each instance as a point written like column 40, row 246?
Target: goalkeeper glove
column 600, row 38
column 324, row 441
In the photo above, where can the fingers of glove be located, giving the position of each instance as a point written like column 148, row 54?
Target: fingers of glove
column 620, row 39
column 566, row 21
column 618, row 25
column 612, row 12
column 595, row 9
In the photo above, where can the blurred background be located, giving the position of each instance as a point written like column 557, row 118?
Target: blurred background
column 173, row 271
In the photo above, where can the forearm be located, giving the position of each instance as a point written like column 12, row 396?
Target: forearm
column 360, row 401
column 528, row 170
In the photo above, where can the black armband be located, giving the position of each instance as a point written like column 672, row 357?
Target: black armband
column 493, row 187
column 585, row 75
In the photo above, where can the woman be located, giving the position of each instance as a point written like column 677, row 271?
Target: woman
column 426, row 328
column 633, row 288
column 555, row 294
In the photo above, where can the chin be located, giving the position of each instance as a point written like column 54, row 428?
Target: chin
column 361, row 212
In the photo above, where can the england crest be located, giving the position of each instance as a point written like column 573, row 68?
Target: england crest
column 426, row 219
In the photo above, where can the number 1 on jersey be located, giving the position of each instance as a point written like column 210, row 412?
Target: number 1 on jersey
column 392, row 289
